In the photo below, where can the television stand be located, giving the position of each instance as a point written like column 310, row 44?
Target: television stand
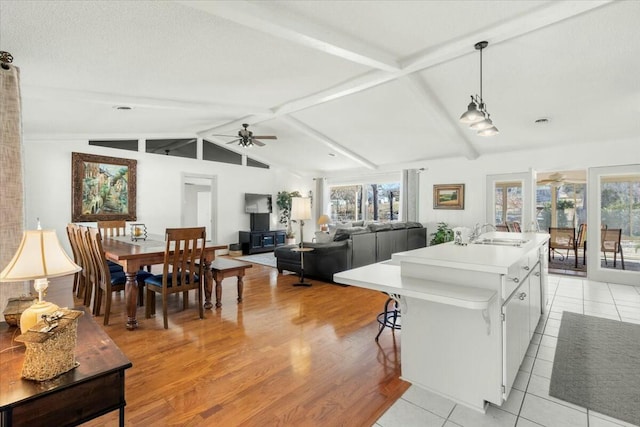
column 254, row 242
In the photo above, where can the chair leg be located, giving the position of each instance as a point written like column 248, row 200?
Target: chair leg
column 185, row 300
column 200, row 303
column 621, row 258
column 605, row 258
column 165, row 311
column 107, row 308
column 97, row 302
column 150, row 308
column 140, row 293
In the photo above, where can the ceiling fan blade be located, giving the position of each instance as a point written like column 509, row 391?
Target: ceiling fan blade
column 234, row 140
column 265, row 137
column 218, row 134
column 258, row 143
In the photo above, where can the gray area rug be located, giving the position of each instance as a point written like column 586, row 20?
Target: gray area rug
column 597, row 366
column 267, row 259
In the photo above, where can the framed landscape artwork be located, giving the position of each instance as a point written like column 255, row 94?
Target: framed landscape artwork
column 448, row 196
column 102, row 188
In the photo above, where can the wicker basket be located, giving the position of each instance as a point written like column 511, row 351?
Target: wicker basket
column 50, row 354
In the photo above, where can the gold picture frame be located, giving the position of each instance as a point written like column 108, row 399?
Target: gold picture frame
column 448, row 196
column 102, row 188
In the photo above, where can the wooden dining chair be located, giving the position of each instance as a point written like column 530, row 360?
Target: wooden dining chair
column 107, row 281
column 85, row 287
column 581, row 243
column 610, row 242
column 513, row 227
column 562, row 238
column 112, row 228
column 71, row 235
column 182, row 270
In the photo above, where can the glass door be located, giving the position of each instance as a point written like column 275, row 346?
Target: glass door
column 613, row 250
column 511, row 199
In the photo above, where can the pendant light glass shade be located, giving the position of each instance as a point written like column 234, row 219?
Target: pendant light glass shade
column 489, row 131
column 482, row 124
column 472, row 114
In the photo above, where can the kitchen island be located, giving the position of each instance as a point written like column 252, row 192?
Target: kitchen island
column 468, row 312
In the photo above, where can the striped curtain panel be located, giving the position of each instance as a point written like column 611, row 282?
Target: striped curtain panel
column 11, row 181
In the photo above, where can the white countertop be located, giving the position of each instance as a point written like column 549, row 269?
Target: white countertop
column 386, row 277
column 485, row 258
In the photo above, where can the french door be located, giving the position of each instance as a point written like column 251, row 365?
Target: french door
column 614, row 204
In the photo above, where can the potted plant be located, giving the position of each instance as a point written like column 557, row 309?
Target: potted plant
column 290, row 237
column 283, row 201
column 443, row 234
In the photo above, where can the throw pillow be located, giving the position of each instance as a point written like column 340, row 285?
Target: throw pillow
column 322, row 237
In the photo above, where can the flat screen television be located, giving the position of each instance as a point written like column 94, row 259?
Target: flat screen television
column 257, row 203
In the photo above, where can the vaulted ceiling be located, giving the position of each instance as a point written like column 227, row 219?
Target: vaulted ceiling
column 343, row 84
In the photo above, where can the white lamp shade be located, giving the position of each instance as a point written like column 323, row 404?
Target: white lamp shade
column 300, row 208
column 39, row 256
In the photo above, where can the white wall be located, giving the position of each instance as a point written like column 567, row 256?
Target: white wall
column 48, row 187
column 473, row 174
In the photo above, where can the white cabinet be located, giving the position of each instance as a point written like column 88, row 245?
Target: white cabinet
column 515, row 332
column 535, row 298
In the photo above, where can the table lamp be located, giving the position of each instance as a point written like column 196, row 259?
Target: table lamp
column 323, row 222
column 38, row 258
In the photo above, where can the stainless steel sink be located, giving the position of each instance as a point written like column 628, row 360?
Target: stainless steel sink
column 500, row 241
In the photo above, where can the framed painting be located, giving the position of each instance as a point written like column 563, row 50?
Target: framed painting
column 102, row 188
column 448, row 196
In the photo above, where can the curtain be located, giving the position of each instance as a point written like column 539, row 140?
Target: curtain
column 11, row 181
column 320, row 201
column 410, row 191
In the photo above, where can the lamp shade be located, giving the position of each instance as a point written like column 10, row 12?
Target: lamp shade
column 324, row 219
column 300, row 208
column 38, row 256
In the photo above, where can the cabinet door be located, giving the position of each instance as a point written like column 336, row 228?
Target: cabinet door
column 280, row 238
column 256, row 240
column 535, row 299
column 515, row 333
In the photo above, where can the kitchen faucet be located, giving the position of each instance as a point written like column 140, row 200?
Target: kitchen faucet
column 477, row 230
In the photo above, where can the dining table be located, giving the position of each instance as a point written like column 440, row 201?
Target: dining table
column 133, row 254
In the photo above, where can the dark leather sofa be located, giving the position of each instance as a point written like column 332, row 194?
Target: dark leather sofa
column 353, row 247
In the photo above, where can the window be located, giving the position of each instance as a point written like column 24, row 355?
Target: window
column 124, row 144
column 216, row 153
column 173, row 147
column 508, row 199
column 561, row 205
column 256, row 164
column 371, row 202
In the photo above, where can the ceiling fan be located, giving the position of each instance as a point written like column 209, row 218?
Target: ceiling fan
column 554, row 179
column 246, row 138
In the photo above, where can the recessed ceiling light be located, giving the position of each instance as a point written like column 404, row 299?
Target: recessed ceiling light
column 542, row 121
column 122, row 107
column 332, row 154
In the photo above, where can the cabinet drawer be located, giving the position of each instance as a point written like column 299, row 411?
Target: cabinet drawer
column 518, row 272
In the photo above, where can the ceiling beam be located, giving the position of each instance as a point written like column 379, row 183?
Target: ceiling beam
column 298, row 30
column 423, row 94
column 311, row 132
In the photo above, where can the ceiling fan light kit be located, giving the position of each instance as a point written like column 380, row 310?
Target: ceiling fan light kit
column 477, row 116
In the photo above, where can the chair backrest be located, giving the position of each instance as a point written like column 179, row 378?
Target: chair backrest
column 183, row 259
column 562, row 238
column 103, row 274
column 610, row 239
column 582, row 236
column 71, row 234
column 502, row 227
column 513, row 227
column 112, row 228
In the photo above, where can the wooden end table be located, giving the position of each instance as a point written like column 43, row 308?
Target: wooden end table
column 220, row 269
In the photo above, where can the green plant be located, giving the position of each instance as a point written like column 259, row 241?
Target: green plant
column 442, row 235
column 283, row 201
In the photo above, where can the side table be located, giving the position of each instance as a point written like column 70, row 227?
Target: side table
column 302, row 251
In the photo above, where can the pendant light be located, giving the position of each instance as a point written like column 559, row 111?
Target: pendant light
column 477, row 116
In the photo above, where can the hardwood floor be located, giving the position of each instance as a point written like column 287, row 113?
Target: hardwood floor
column 285, row 356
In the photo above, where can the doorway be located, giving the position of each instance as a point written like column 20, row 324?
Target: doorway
column 199, row 203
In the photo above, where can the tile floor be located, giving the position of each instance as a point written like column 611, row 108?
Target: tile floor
column 529, row 403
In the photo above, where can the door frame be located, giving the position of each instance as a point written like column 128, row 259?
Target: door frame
column 594, row 219
column 212, row 181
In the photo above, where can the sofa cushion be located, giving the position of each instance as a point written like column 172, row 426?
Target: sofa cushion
column 398, row 225
column 413, row 224
column 379, row 226
column 345, row 233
